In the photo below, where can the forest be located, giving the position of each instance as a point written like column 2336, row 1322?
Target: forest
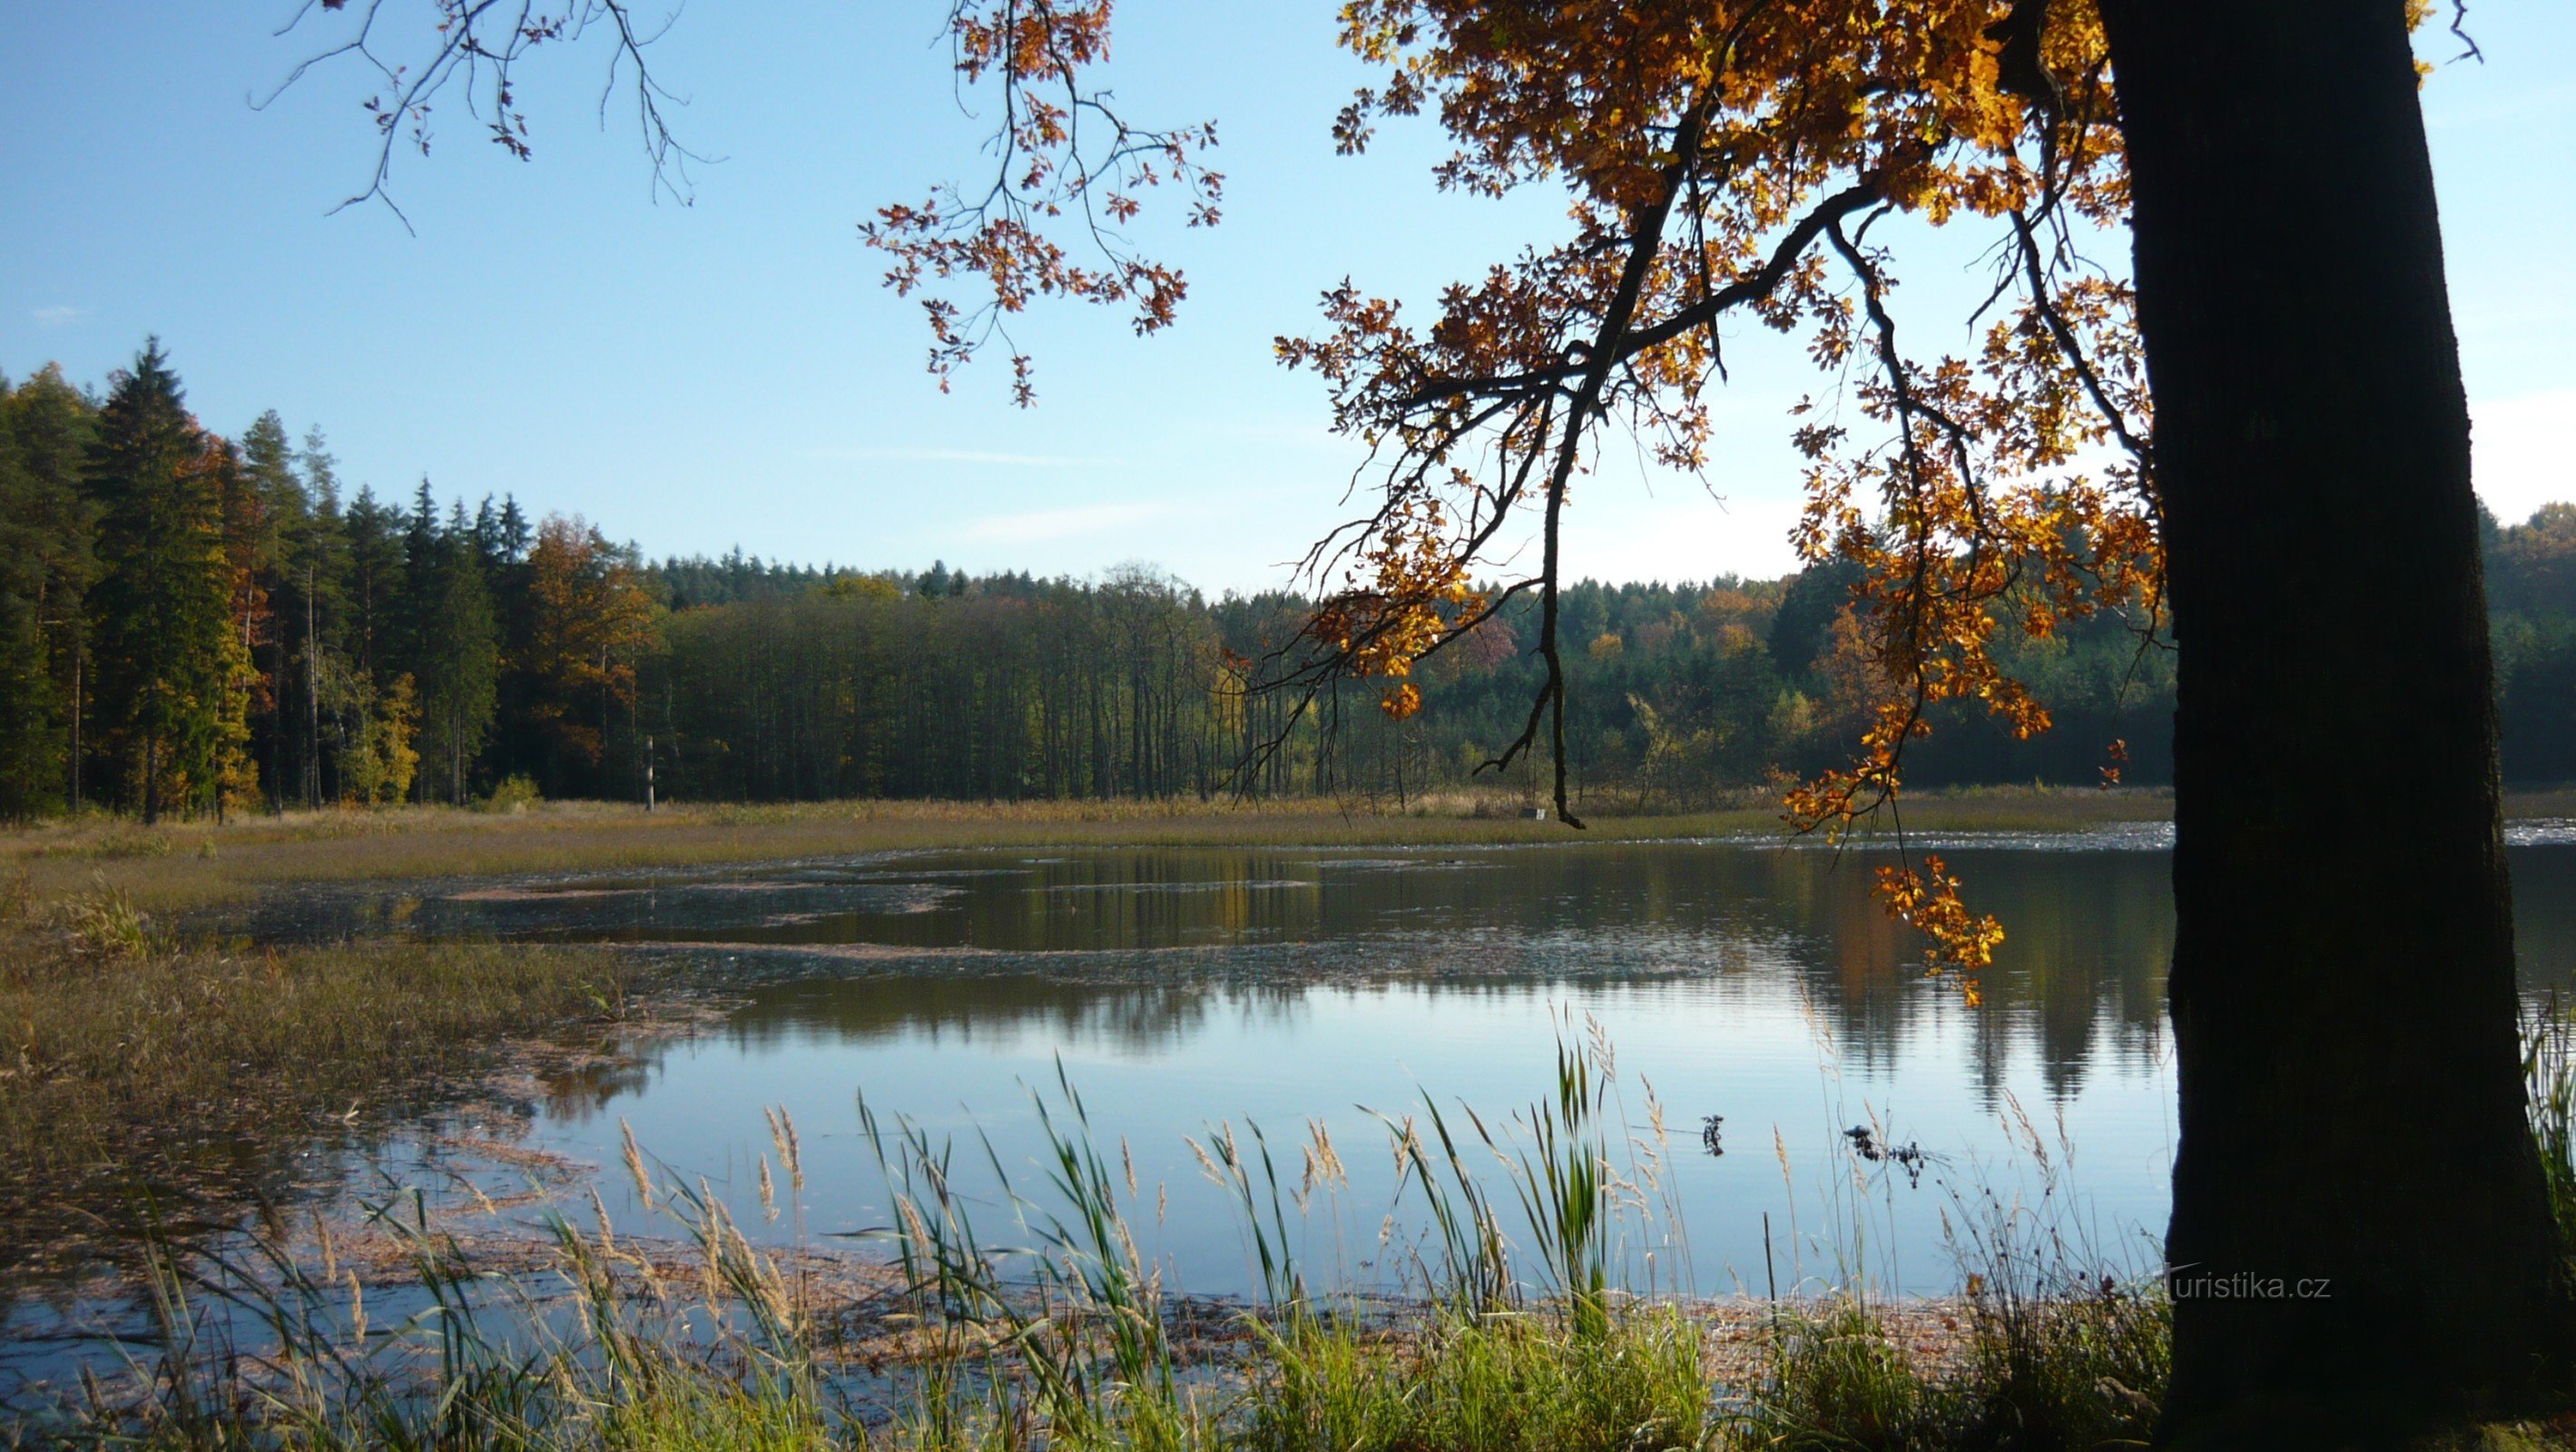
column 193, row 624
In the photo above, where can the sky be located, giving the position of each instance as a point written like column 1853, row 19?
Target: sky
column 730, row 372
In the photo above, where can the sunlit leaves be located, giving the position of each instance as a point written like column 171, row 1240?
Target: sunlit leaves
column 1734, row 158
column 1719, row 158
column 1928, row 899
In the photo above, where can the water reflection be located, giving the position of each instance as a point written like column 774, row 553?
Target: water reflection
column 1122, row 946
column 1178, row 987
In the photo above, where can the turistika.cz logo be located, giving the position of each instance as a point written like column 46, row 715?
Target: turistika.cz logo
column 2187, row 1283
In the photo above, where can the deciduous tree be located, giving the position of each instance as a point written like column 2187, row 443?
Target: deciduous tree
column 590, row 624
column 2343, row 993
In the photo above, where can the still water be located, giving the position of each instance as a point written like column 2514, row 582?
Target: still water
column 1183, row 990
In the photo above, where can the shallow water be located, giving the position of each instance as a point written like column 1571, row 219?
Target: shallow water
column 1178, row 989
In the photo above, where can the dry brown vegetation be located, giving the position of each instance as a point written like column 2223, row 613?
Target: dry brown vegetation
column 189, row 864
column 131, row 1067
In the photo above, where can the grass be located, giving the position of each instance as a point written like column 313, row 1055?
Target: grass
column 127, row 1061
column 1534, row 1316
column 597, row 1339
column 190, row 864
column 1496, row 1342
column 1526, row 1383
column 2549, row 1097
column 2078, row 1366
column 194, row 863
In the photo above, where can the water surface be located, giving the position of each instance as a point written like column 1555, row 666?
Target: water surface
column 1178, row 989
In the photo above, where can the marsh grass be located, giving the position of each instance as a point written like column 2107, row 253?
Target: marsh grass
column 129, row 1061
column 1523, row 1382
column 1520, row 1324
column 2057, row 1340
column 2549, row 1096
column 193, row 864
column 605, row 1348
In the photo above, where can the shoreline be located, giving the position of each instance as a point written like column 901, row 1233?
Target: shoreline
column 197, row 864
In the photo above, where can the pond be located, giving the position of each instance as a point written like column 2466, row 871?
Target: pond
column 1180, row 991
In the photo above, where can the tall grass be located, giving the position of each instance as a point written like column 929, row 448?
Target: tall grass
column 2549, row 1094
column 1512, row 1331
column 128, row 1060
column 2056, row 1341
column 262, row 1349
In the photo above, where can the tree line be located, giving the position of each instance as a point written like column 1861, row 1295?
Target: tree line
column 195, row 625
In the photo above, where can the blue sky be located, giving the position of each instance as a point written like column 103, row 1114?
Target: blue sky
column 730, row 372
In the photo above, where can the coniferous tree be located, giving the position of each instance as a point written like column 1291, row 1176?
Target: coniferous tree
column 315, row 568
column 375, row 585
column 45, row 568
column 416, row 602
column 164, row 646
column 250, row 562
column 268, row 468
column 457, row 660
column 31, row 737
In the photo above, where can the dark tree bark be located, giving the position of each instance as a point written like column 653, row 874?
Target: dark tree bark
column 2343, row 989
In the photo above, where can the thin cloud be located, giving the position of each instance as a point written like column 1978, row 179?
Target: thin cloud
column 959, row 456
column 56, row 317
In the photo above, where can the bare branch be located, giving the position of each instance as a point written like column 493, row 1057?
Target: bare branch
column 476, row 49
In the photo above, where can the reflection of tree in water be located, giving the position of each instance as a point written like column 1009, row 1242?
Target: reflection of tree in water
column 976, row 1008
column 2544, row 918
column 579, row 1094
column 2080, row 980
column 1136, row 949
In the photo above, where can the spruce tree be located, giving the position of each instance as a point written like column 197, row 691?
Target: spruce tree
column 31, row 718
column 46, row 563
column 162, row 604
column 375, row 584
column 457, row 661
column 249, row 555
column 268, row 469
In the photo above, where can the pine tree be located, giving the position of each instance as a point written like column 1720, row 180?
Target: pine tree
column 416, row 603
column 249, row 554
column 31, row 717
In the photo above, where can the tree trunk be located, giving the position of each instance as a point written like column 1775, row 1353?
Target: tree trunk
column 79, row 654
column 2360, row 1230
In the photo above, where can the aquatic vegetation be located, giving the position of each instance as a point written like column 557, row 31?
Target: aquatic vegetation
column 128, row 1061
column 1558, row 1326
column 2549, row 1088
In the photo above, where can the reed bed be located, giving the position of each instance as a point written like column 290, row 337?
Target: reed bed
column 128, row 1061
column 1541, row 1305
